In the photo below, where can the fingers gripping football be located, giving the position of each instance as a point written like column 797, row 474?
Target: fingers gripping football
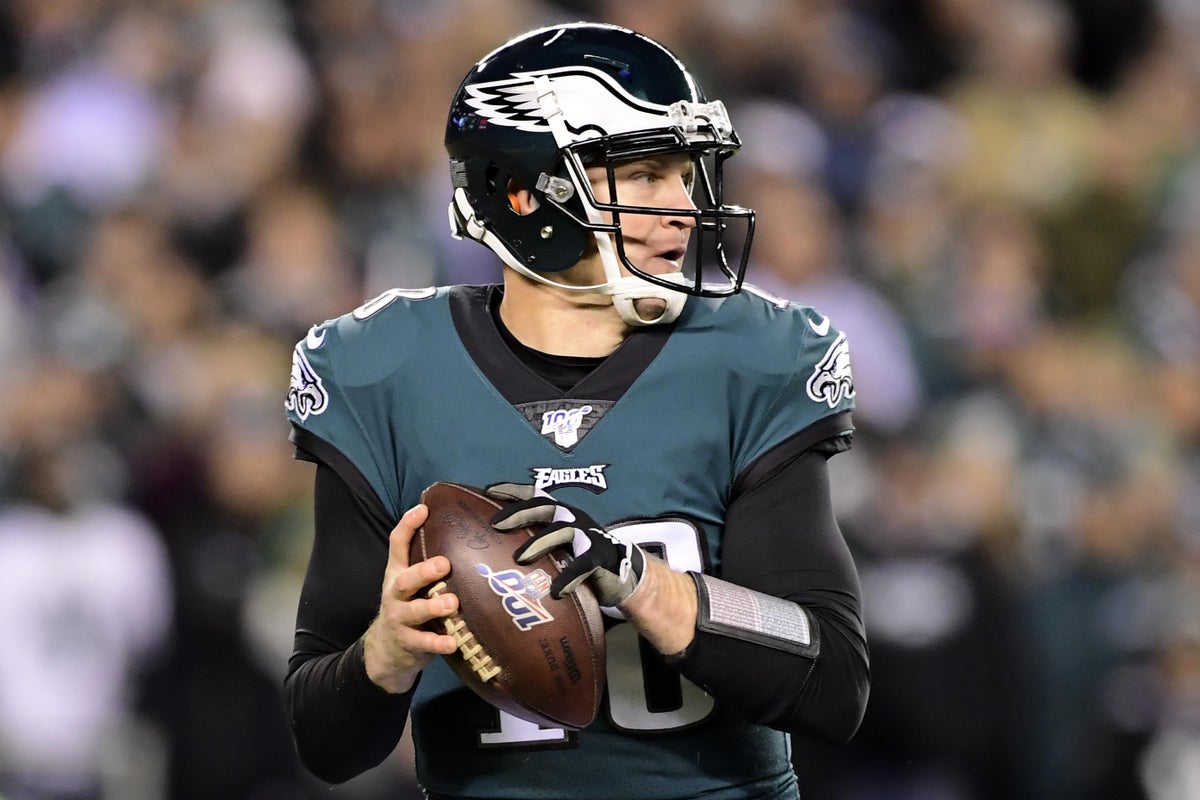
column 612, row 567
column 396, row 647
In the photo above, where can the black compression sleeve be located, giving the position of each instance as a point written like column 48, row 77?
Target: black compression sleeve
column 343, row 723
column 781, row 539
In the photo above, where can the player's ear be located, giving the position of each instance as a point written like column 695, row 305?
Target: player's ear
column 522, row 200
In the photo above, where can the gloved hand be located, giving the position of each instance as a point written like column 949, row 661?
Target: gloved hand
column 613, row 568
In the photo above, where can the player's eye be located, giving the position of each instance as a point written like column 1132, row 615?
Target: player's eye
column 639, row 173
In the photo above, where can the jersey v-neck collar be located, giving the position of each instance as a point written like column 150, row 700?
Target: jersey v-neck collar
column 561, row 371
column 518, row 383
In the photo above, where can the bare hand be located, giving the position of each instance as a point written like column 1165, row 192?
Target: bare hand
column 396, row 647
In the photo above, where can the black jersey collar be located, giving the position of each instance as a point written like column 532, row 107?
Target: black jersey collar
column 469, row 309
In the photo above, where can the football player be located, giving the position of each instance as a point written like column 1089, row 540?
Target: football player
column 625, row 396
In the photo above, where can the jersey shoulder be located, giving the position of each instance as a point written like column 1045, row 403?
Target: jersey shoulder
column 783, row 341
column 360, row 347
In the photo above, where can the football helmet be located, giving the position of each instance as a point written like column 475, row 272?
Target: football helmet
column 542, row 108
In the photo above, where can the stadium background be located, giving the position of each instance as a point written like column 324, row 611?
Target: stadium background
column 998, row 200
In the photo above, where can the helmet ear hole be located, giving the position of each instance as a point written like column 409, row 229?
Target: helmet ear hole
column 489, row 178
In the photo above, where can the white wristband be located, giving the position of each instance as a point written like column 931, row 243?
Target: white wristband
column 726, row 609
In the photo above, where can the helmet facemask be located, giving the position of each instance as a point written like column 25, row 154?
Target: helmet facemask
column 716, row 231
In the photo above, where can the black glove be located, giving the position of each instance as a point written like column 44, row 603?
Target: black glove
column 614, row 568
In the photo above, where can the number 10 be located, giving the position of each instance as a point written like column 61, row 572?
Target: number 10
column 643, row 695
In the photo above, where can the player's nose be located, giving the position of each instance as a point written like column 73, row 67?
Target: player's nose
column 679, row 196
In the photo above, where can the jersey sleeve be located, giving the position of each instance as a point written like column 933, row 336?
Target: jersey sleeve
column 798, row 383
column 338, row 399
column 329, row 423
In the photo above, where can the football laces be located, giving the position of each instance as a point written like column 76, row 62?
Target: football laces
column 470, row 649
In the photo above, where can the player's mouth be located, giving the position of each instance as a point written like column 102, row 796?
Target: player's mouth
column 667, row 261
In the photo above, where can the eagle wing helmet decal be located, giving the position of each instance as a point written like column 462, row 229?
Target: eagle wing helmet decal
column 583, row 95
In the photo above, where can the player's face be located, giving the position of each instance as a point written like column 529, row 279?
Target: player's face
column 654, row 243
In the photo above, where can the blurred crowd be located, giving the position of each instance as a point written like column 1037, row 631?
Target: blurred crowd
column 997, row 200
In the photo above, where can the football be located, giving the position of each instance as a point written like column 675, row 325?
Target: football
column 521, row 650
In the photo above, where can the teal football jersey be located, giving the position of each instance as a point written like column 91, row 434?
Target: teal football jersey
column 406, row 390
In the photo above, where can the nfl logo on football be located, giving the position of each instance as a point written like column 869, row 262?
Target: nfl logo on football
column 521, row 594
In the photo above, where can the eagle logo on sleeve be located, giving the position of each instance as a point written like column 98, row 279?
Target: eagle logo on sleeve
column 831, row 381
column 306, row 395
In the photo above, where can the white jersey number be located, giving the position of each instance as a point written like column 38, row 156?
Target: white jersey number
column 643, row 695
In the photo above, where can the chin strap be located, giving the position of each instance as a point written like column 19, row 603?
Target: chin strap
column 628, row 289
